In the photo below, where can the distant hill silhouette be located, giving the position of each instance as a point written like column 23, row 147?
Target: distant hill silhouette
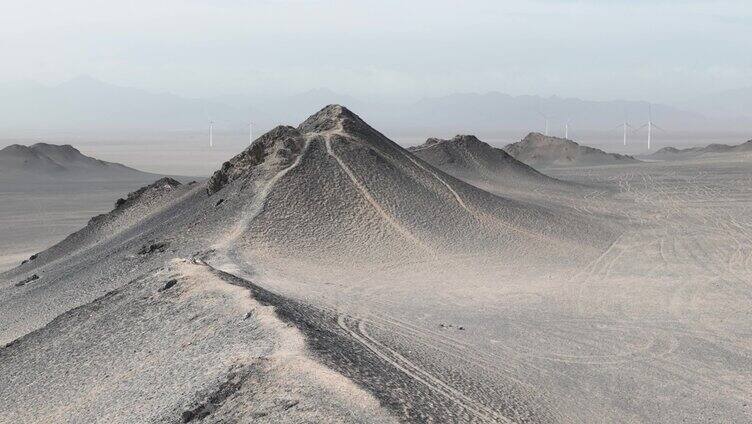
column 44, row 160
column 669, row 153
column 537, row 149
column 469, row 159
column 87, row 104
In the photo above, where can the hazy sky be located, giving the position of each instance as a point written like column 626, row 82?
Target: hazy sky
column 653, row 50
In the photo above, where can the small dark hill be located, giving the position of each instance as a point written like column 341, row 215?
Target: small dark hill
column 469, row 159
column 19, row 158
column 45, row 161
column 539, row 150
column 672, row 153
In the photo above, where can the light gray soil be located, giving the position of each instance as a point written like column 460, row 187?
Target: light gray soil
column 398, row 292
column 37, row 214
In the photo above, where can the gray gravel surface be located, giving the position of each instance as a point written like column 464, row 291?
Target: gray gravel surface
column 326, row 274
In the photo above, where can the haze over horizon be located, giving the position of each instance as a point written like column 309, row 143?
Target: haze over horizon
column 153, row 74
column 304, row 211
column 168, row 134
column 384, row 50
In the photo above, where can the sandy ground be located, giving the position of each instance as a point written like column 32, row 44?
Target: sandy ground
column 197, row 350
column 626, row 301
column 37, row 215
column 655, row 328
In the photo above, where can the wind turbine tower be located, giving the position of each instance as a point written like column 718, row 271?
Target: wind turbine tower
column 650, row 125
column 250, row 133
column 211, row 133
column 545, row 117
column 566, row 130
column 626, row 125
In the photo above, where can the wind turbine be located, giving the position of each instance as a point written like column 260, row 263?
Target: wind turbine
column 624, row 126
column 650, row 125
column 566, row 130
column 250, row 133
column 211, row 128
column 546, row 118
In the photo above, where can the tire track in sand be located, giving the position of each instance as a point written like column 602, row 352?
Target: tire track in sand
column 359, row 333
column 404, row 232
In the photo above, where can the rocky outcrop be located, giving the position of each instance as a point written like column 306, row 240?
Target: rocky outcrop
column 161, row 185
column 276, row 149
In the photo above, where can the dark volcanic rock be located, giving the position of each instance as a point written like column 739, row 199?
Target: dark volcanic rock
column 161, row 184
column 169, row 284
column 276, row 149
column 27, row 280
column 153, row 247
column 31, row 258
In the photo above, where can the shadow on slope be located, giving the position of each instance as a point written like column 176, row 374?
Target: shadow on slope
column 335, row 188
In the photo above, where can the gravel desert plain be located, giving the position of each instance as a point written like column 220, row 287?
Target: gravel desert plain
column 327, row 274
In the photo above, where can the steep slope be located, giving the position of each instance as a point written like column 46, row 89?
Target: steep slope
column 539, row 150
column 331, row 195
column 336, row 187
column 42, row 160
column 672, row 153
column 177, row 345
column 473, row 161
column 345, row 233
column 107, row 252
column 127, row 213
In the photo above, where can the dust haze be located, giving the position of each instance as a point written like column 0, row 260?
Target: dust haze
column 307, row 212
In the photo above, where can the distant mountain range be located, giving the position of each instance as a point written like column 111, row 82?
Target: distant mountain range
column 735, row 105
column 86, row 104
column 50, row 161
column 486, row 112
column 539, row 150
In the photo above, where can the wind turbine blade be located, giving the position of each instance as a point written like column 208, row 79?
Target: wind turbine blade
column 656, row 126
column 638, row 129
